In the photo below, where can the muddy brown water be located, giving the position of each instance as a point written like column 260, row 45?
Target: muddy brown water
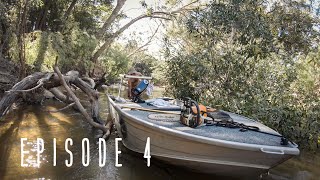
column 33, row 122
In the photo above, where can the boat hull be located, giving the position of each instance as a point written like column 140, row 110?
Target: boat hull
column 192, row 153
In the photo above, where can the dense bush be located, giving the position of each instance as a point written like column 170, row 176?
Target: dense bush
column 234, row 55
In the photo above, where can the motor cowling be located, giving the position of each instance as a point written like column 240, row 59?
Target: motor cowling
column 138, row 90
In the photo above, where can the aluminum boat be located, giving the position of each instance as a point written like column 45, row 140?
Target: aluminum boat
column 207, row 149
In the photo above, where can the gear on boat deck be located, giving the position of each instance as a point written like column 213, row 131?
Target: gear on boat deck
column 216, row 132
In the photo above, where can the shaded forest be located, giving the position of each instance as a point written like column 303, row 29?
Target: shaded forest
column 81, row 33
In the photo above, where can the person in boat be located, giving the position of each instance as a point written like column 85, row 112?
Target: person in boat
column 132, row 82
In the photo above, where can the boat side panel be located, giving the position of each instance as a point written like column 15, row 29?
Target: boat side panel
column 166, row 145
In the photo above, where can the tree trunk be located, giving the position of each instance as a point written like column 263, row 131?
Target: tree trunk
column 43, row 15
column 21, row 38
column 4, row 40
column 10, row 97
column 107, row 24
column 106, row 45
column 59, row 95
column 69, row 10
column 102, row 49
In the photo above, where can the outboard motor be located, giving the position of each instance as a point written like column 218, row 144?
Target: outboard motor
column 138, row 90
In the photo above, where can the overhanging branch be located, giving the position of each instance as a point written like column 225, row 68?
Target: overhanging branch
column 155, row 14
column 146, row 44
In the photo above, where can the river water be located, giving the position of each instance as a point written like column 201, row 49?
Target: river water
column 34, row 122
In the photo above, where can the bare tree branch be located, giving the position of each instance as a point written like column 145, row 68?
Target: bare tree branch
column 40, row 84
column 77, row 102
column 146, row 44
column 107, row 24
column 109, row 127
column 89, row 81
column 69, row 10
column 27, row 90
column 66, row 107
column 9, row 98
column 60, row 96
column 183, row 8
column 154, row 14
column 109, row 41
column 52, row 80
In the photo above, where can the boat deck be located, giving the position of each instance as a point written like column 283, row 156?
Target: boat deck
column 216, row 132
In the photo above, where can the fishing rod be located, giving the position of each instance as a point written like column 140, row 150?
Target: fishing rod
column 154, row 110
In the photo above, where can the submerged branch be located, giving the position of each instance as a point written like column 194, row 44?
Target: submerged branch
column 66, row 107
column 77, row 102
column 109, row 127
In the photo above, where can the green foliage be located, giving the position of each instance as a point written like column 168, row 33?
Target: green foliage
column 115, row 62
column 294, row 24
column 144, row 63
column 159, row 73
column 34, row 32
column 118, row 60
column 89, row 15
column 234, row 55
column 51, row 31
column 74, row 50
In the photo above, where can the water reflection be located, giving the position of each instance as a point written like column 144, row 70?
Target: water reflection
column 34, row 122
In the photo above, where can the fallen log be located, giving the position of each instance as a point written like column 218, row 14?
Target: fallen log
column 12, row 96
column 93, row 96
column 77, row 102
column 60, row 96
column 90, row 81
column 50, row 81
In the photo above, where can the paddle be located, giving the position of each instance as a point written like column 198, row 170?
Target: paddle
column 151, row 110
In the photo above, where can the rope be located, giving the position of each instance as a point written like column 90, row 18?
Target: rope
column 228, row 122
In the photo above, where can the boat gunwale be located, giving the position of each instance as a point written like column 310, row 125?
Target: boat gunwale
column 213, row 141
